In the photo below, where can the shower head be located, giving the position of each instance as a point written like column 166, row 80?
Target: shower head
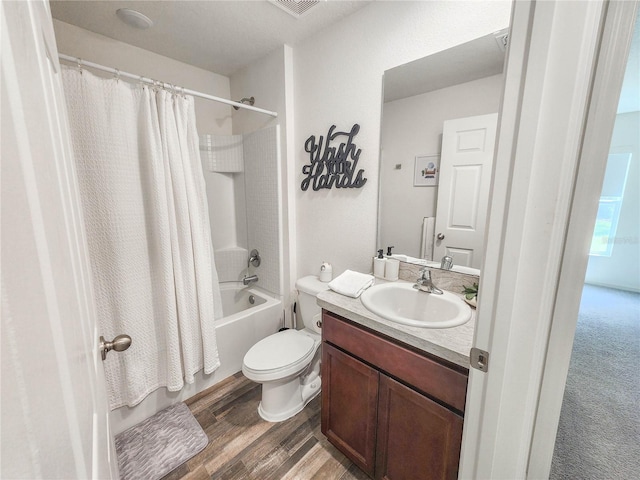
column 248, row 101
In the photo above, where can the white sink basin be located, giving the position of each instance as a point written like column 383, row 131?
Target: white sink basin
column 401, row 303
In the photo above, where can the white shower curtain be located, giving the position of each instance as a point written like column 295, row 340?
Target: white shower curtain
column 145, row 212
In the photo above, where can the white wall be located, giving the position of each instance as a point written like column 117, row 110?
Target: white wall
column 338, row 80
column 622, row 268
column 264, row 216
column 413, row 126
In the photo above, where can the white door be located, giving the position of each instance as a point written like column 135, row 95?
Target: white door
column 463, row 191
column 54, row 410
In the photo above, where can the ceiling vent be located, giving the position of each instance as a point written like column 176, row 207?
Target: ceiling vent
column 295, row 8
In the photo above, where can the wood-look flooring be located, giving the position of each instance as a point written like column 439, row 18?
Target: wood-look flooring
column 243, row 446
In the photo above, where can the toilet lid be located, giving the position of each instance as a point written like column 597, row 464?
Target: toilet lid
column 278, row 350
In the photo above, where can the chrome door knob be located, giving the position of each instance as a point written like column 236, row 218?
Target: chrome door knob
column 440, row 236
column 118, row 344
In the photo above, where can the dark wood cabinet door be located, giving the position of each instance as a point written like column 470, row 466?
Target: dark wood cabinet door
column 417, row 438
column 349, row 406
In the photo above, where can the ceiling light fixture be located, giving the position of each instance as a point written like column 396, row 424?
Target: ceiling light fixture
column 134, row 18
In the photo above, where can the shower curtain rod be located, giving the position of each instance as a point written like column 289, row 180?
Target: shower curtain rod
column 150, row 81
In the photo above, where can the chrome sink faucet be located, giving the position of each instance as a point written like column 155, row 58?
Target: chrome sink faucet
column 425, row 284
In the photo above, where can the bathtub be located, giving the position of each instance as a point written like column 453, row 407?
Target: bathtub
column 249, row 315
column 244, row 323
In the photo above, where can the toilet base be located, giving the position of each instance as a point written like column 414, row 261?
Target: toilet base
column 282, row 400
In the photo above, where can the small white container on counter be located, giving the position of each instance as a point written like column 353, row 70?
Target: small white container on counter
column 392, row 269
column 326, row 272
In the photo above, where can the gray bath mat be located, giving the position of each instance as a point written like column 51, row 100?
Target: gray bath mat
column 153, row 448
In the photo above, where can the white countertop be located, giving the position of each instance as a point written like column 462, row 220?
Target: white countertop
column 452, row 344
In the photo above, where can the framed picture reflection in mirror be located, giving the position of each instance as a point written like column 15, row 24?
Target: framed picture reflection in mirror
column 426, row 171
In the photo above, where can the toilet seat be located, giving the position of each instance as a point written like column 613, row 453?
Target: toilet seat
column 279, row 355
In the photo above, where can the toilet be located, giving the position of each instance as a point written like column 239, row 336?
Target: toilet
column 287, row 363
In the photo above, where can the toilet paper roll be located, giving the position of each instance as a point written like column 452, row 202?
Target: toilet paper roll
column 391, row 269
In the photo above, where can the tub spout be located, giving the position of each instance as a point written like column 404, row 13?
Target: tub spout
column 249, row 279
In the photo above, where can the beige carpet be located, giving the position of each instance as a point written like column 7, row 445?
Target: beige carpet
column 599, row 431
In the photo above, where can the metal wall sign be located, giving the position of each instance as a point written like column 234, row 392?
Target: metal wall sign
column 330, row 165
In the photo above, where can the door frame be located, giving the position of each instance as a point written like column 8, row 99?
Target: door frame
column 549, row 82
column 66, row 320
column 610, row 69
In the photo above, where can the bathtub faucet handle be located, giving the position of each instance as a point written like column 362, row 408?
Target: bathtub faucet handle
column 254, row 258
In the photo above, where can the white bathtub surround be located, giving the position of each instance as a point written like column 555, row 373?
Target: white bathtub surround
column 222, row 153
column 147, row 223
column 264, row 204
column 253, row 160
column 231, row 263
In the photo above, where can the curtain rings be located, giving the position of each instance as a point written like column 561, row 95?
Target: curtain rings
column 79, row 63
column 116, row 75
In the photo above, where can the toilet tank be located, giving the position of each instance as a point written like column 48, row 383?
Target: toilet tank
column 308, row 310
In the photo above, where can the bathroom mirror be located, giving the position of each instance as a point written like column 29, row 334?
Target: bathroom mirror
column 460, row 82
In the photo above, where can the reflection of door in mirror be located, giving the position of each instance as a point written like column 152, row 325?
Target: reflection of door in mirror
column 465, row 174
column 412, row 127
column 463, row 81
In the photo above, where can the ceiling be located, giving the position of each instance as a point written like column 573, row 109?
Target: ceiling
column 224, row 36
column 221, row 36
column 480, row 58
column 463, row 63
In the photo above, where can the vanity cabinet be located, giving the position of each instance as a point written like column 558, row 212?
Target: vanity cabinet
column 395, row 412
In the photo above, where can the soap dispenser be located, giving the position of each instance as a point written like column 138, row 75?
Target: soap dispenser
column 378, row 265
